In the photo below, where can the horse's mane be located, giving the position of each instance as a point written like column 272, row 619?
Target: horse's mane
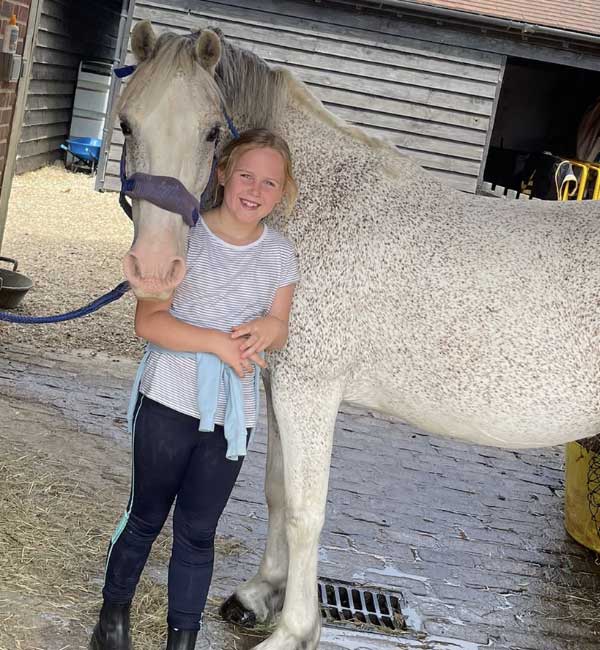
column 255, row 91
column 250, row 89
column 259, row 92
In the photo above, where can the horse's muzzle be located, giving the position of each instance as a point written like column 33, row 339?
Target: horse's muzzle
column 153, row 278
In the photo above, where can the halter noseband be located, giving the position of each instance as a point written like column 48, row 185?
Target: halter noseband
column 165, row 191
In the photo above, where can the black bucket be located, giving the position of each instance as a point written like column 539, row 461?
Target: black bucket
column 13, row 285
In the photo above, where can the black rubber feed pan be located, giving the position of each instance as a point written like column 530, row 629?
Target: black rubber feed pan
column 13, row 285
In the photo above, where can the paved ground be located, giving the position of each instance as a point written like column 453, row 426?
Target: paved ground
column 473, row 537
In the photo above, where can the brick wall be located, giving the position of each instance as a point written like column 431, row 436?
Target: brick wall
column 8, row 91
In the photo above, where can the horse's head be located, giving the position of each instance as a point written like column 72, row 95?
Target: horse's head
column 170, row 115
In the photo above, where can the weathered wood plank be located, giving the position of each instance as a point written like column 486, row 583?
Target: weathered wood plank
column 114, row 153
column 56, row 57
column 437, row 161
column 429, row 130
column 55, row 87
column 50, row 71
column 334, row 23
column 29, row 163
column 45, row 116
column 459, row 81
column 458, row 181
column 373, row 72
column 112, row 170
column 111, row 183
column 103, row 48
column 353, row 48
column 45, row 102
column 41, row 145
column 488, row 139
column 483, row 46
column 409, row 110
column 40, row 131
column 480, row 106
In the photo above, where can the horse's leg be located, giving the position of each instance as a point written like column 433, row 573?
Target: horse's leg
column 306, row 416
column 261, row 597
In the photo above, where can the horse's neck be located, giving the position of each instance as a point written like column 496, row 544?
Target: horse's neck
column 332, row 161
column 342, row 172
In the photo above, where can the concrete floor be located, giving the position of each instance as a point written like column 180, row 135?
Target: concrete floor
column 472, row 537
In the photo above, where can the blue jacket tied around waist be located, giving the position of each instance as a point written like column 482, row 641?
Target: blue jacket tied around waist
column 210, row 370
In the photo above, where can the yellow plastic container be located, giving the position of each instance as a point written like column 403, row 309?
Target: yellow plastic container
column 580, row 523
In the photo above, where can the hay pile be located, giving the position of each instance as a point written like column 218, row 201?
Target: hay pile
column 54, row 536
column 69, row 239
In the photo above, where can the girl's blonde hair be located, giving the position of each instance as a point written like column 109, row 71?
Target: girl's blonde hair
column 258, row 139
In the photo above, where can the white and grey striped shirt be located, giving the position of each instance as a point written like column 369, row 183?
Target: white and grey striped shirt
column 225, row 285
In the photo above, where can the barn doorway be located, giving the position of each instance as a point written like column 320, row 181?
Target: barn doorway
column 540, row 109
column 69, row 33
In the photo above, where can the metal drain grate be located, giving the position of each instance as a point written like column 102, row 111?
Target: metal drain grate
column 345, row 603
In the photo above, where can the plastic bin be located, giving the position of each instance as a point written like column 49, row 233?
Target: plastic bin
column 582, row 492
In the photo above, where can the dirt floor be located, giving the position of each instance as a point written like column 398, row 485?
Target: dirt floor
column 64, row 481
column 472, row 537
column 69, row 240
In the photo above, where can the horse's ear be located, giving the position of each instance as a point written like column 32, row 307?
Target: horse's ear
column 143, row 40
column 208, row 50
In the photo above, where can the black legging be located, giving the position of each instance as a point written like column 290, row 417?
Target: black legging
column 171, row 458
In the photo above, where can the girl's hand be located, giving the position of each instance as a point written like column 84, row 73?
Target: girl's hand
column 258, row 334
column 229, row 352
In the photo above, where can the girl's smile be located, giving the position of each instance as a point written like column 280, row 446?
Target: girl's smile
column 254, row 188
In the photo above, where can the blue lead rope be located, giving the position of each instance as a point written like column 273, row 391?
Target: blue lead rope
column 90, row 308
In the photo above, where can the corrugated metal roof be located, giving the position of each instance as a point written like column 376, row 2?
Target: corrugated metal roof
column 572, row 15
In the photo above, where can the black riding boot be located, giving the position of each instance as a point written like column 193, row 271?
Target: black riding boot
column 112, row 629
column 181, row 639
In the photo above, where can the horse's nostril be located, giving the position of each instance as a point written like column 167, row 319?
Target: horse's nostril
column 131, row 267
column 177, row 271
column 155, row 274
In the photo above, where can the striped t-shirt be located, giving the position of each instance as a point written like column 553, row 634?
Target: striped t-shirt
column 225, row 285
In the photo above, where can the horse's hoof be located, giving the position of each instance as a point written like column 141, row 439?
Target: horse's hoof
column 233, row 611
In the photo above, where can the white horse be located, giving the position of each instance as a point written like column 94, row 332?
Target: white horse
column 469, row 317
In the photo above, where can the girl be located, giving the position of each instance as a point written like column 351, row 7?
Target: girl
column 198, row 386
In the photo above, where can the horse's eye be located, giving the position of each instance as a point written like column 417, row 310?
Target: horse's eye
column 125, row 128
column 213, row 134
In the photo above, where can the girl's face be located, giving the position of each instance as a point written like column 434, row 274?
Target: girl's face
column 256, row 185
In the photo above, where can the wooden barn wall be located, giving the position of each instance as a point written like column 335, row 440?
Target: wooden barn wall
column 69, row 32
column 432, row 101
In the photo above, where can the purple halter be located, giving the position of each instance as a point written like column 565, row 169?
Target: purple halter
column 164, row 191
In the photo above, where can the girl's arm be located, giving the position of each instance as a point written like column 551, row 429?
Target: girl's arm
column 280, row 310
column 156, row 324
column 271, row 331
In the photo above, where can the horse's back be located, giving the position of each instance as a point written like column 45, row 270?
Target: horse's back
column 470, row 317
